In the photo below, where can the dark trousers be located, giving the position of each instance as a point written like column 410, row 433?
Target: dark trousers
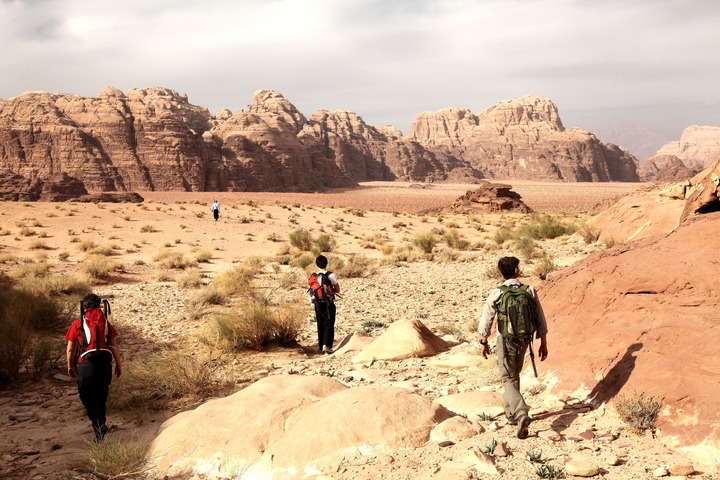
column 325, row 316
column 216, row 214
column 93, row 386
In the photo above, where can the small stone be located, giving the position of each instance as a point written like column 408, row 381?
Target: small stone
column 582, row 468
column 612, row 460
column 550, row 435
column 587, row 435
column 660, row 472
column 446, row 443
column 681, row 469
column 501, row 450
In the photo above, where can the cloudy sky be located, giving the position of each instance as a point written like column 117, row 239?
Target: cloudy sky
column 601, row 61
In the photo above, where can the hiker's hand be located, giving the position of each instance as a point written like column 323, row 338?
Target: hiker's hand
column 72, row 371
column 543, row 352
column 485, row 351
column 118, row 370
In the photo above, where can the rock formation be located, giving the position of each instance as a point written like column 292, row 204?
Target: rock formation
column 154, row 139
column 58, row 187
column 664, row 168
column 523, row 139
column 489, row 198
column 698, row 146
column 642, row 316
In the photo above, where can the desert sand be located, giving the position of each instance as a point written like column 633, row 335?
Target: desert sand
column 45, row 432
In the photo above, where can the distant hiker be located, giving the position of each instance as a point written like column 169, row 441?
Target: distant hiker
column 216, row 210
column 520, row 316
column 323, row 287
column 92, row 344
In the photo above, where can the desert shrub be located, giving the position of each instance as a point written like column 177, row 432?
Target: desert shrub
column 191, row 278
column 545, row 266
column 86, row 245
column 639, row 412
column 325, row 243
column 32, row 270
column 589, row 234
column 544, row 227
column 105, row 250
column 202, row 255
column 406, row 253
column 356, row 266
column 454, row 239
column 371, row 325
column 426, row 242
column 41, row 358
column 63, row 256
column 238, row 281
column 502, row 235
column 526, row 247
column 117, row 458
column 39, row 245
column 208, row 296
column 250, row 326
column 386, row 249
column 304, row 260
column 165, row 376
column 301, row 239
column 163, row 276
column 53, row 285
column 98, row 267
column 610, row 242
column 148, row 229
column 174, row 260
column 288, row 320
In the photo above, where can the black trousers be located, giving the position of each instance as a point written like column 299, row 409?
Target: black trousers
column 325, row 316
column 93, row 386
column 216, row 214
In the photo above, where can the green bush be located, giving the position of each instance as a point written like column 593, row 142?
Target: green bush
column 238, row 281
column 545, row 227
column 426, row 242
column 454, row 239
column 325, row 243
column 502, row 235
column 301, row 239
column 356, row 266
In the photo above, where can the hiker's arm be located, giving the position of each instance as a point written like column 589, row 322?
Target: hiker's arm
column 543, row 350
column 336, row 288
column 486, row 322
column 70, row 356
column 115, row 348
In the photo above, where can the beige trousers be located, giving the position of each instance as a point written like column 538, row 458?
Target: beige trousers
column 511, row 355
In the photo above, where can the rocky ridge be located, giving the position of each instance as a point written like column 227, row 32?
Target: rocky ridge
column 154, row 139
column 699, row 146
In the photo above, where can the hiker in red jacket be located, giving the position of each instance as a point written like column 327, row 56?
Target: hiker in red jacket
column 92, row 344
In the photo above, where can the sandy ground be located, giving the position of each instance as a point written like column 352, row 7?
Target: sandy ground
column 44, row 429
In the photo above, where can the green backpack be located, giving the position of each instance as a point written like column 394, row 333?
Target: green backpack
column 517, row 312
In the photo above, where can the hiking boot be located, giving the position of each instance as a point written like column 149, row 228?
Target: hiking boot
column 523, row 424
column 511, row 419
column 327, row 350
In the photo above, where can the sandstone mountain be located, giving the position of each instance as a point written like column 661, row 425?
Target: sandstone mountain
column 522, row 138
column 698, row 146
column 665, row 168
column 154, row 139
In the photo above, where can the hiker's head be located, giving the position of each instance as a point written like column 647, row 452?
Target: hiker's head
column 91, row 301
column 508, row 266
column 321, row 261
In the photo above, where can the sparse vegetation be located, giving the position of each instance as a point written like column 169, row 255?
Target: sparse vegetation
column 549, row 471
column 114, row 459
column 98, row 267
column 173, row 260
column 426, row 242
column 301, row 239
column 639, row 412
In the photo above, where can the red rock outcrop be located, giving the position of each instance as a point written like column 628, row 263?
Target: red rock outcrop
column 699, row 146
column 489, row 198
column 154, row 139
column 524, row 139
column 642, row 317
column 664, row 168
column 14, row 187
column 60, row 187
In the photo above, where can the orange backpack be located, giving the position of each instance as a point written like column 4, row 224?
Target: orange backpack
column 321, row 288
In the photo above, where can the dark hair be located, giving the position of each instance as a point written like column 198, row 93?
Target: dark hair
column 91, row 301
column 507, row 266
column 321, row 261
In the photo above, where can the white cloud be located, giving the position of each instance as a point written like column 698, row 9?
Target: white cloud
column 386, row 60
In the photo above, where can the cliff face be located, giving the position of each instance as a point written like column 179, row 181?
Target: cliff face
column 154, row 139
column 699, row 146
column 522, row 138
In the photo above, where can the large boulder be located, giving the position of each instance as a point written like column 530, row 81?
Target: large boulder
column 643, row 317
column 290, row 425
column 403, row 339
